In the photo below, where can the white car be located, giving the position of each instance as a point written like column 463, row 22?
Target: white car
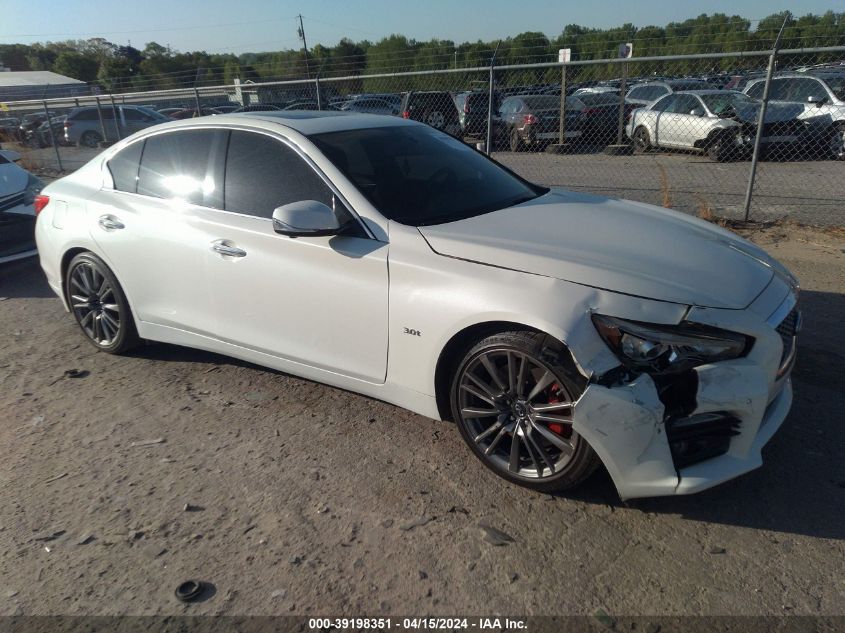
column 720, row 123
column 18, row 189
column 559, row 330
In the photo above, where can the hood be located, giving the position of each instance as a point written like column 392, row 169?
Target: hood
column 13, row 179
column 775, row 112
column 615, row 245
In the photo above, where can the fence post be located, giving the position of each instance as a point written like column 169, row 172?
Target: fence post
column 761, row 117
column 620, row 130
column 317, row 86
column 52, row 136
column 100, row 115
column 197, row 100
column 487, row 146
column 116, row 119
column 561, row 146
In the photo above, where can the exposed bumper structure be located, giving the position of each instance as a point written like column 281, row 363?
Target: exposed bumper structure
column 625, row 425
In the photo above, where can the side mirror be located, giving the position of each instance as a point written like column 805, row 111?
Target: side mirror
column 307, row 218
column 697, row 112
column 819, row 102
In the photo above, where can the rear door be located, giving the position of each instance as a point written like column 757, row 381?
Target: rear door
column 317, row 301
column 153, row 226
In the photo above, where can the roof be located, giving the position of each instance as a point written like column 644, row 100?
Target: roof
column 35, row 78
column 316, row 122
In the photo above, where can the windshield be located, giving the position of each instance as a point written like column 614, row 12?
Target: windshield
column 542, row 102
column 418, row 176
column 837, row 86
column 718, row 103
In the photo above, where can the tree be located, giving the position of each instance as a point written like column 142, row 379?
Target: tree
column 76, row 65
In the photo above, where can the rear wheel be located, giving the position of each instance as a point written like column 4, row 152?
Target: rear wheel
column 99, row 305
column 512, row 397
column 516, row 143
column 642, row 142
column 436, row 119
column 89, row 139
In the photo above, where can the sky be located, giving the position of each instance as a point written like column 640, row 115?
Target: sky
column 238, row 26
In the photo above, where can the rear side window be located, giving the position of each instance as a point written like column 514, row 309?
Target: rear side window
column 184, row 165
column 124, row 167
column 263, row 173
column 89, row 114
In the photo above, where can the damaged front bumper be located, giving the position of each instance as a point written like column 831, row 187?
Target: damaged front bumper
column 661, row 436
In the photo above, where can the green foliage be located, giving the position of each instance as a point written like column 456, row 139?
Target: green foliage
column 123, row 68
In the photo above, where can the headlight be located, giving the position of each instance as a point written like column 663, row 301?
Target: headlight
column 668, row 349
column 33, row 188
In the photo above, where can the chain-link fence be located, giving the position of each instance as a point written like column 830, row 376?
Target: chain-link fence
column 677, row 131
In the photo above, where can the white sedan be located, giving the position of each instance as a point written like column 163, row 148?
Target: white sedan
column 558, row 330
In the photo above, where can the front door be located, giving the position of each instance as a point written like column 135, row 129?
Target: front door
column 317, row 301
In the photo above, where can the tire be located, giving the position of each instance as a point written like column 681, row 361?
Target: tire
column 515, row 141
column 642, row 141
column 837, row 141
column 496, row 412
column 718, row 150
column 435, row 118
column 99, row 305
column 90, row 139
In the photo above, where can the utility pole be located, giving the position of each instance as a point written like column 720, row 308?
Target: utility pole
column 304, row 46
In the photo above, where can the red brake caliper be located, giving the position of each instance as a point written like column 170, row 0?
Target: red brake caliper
column 554, row 398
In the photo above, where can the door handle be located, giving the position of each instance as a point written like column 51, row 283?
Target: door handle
column 221, row 247
column 110, row 223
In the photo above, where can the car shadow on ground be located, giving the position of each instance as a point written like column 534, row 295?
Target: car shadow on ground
column 800, row 489
column 23, row 279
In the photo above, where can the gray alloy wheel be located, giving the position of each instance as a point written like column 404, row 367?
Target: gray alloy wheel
column 837, row 141
column 642, row 142
column 436, row 119
column 513, row 403
column 99, row 305
column 89, row 139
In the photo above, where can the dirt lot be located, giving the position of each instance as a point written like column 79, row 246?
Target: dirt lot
column 303, row 499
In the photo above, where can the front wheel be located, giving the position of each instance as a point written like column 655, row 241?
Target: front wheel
column 516, row 143
column 720, row 149
column 99, row 305
column 837, row 141
column 512, row 397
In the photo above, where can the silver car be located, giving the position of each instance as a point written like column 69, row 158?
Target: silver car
column 84, row 127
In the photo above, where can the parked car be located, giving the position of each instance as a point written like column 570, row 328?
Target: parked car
column 29, row 124
column 369, row 105
column 168, row 111
column 18, row 189
column 191, row 113
column 434, row 108
column 43, row 135
column 598, row 115
column 720, row 123
column 473, row 110
column 558, row 330
column 226, row 108
column 9, row 129
column 258, row 107
column 83, row 126
column 533, row 122
column 649, row 92
column 821, row 97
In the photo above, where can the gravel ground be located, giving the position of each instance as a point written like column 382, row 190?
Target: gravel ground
column 805, row 191
column 295, row 498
